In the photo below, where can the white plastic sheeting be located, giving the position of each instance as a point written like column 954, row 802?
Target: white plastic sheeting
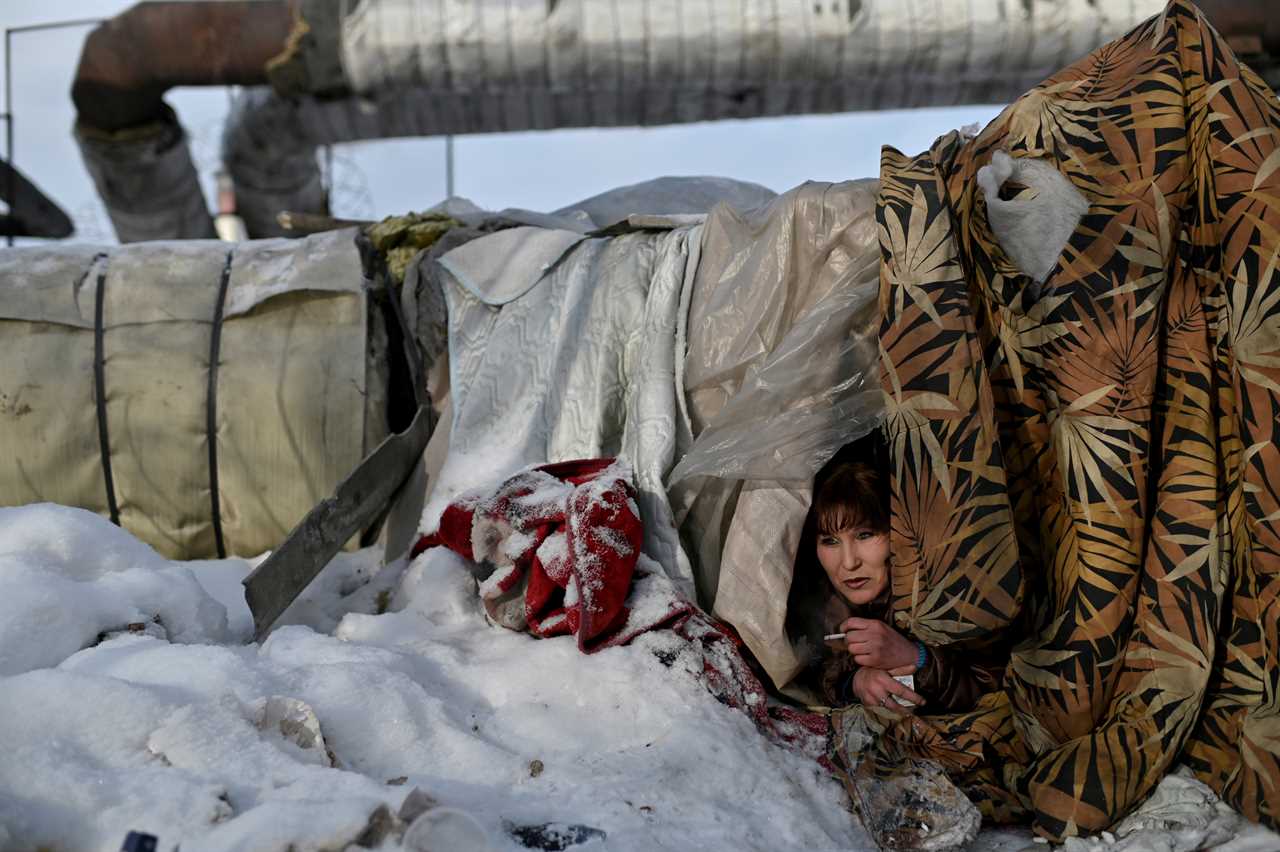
column 569, row 355
column 563, row 355
column 781, row 371
column 782, row 366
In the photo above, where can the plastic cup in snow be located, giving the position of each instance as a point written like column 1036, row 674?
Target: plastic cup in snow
column 446, row 830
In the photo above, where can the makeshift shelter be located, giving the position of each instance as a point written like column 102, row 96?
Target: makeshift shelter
column 740, row 345
column 1081, row 463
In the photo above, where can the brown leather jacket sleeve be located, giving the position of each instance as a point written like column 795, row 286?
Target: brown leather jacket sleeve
column 953, row 679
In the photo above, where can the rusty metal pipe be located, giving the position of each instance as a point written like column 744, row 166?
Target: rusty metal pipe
column 135, row 150
column 130, row 61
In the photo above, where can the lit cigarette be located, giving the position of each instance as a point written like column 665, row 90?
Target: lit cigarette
column 831, row 637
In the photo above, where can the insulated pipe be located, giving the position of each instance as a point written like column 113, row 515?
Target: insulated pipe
column 130, row 61
column 135, row 150
column 497, row 65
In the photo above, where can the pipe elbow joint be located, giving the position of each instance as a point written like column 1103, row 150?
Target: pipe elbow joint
column 113, row 88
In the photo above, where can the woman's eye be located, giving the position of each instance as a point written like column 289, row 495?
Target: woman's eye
column 828, row 541
column 863, row 535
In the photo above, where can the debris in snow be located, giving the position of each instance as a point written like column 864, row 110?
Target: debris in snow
column 554, row 836
column 139, row 734
column 1181, row 815
column 415, row 805
column 137, row 841
column 912, row 806
column 380, row 827
column 152, row 628
column 535, row 768
column 297, row 723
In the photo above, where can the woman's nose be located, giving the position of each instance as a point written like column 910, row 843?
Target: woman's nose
column 851, row 559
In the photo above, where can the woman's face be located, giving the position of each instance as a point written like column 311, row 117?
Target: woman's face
column 856, row 561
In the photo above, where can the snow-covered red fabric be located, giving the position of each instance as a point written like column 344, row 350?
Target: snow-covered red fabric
column 563, row 541
column 565, row 537
column 729, row 677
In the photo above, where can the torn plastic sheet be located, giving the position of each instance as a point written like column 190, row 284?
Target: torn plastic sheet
column 817, row 391
column 782, row 361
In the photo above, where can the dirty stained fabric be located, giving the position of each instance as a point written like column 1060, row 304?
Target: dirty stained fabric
column 1097, row 470
column 119, row 365
column 562, row 541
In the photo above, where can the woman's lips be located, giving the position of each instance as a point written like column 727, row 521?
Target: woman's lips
column 857, row 583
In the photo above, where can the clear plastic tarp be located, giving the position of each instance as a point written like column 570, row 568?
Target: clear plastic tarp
column 781, row 369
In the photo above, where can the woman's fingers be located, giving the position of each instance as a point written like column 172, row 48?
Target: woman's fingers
column 862, row 627
column 876, row 687
column 903, row 692
column 867, row 652
column 891, row 704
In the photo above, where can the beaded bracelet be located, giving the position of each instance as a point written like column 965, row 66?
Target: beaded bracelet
column 922, row 655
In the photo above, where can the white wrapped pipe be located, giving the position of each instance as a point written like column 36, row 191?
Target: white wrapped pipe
column 484, row 66
column 525, row 64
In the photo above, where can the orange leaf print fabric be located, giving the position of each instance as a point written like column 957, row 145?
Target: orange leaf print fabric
column 1095, row 471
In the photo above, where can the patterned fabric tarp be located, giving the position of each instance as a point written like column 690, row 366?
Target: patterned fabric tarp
column 1096, row 470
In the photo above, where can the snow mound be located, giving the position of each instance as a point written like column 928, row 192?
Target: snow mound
column 68, row 575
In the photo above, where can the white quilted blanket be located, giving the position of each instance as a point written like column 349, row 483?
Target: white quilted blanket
column 579, row 364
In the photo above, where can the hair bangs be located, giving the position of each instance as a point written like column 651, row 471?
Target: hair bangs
column 837, row 516
column 855, row 495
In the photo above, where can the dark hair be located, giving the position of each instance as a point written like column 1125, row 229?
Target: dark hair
column 850, row 489
column 851, row 493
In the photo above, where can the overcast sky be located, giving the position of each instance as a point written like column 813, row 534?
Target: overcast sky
column 538, row 171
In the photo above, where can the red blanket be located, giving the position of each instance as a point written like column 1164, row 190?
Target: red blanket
column 563, row 541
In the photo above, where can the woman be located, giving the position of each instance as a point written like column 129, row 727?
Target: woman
column 840, row 606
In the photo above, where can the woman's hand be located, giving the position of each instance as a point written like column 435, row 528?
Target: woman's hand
column 877, row 688
column 876, row 644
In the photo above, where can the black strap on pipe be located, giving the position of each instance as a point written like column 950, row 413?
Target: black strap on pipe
column 100, row 385
column 211, row 408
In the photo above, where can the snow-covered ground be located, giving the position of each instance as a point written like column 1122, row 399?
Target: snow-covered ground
column 132, row 698
column 137, row 732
